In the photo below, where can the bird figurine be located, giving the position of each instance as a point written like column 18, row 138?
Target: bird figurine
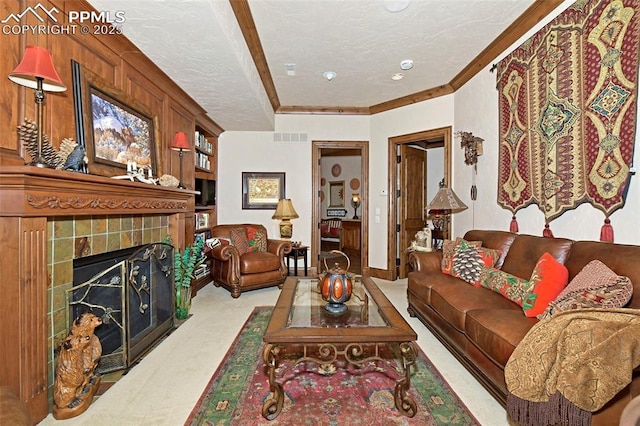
column 76, row 160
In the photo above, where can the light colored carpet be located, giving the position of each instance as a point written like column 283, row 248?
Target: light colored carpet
column 165, row 386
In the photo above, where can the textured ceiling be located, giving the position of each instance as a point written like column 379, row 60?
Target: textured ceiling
column 199, row 44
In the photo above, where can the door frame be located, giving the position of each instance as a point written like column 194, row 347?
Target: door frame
column 392, row 236
column 316, row 214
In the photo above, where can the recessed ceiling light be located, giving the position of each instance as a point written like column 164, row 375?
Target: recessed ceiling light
column 396, row 5
column 397, row 76
column 407, row 64
column 329, row 75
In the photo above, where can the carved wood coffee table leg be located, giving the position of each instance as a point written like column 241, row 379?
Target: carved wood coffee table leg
column 272, row 406
column 405, row 403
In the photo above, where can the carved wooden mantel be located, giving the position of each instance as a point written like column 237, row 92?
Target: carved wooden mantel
column 28, row 196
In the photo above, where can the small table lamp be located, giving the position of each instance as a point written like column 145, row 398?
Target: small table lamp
column 180, row 143
column 285, row 212
column 355, row 202
column 36, row 71
column 445, row 203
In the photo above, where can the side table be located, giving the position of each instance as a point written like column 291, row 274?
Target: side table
column 295, row 253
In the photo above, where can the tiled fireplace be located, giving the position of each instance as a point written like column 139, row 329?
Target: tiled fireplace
column 48, row 217
column 75, row 237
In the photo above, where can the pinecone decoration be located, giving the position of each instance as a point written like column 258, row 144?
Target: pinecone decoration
column 467, row 264
column 28, row 132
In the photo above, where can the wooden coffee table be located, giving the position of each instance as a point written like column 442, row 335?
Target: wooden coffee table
column 370, row 323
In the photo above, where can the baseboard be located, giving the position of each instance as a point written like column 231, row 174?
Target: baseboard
column 384, row 274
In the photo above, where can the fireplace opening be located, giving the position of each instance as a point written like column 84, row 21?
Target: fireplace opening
column 132, row 291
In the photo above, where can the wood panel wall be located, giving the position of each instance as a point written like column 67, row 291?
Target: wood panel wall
column 114, row 59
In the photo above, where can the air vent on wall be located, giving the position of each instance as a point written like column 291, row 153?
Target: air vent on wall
column 289, row 137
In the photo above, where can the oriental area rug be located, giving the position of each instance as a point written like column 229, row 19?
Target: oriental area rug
column 325, row 396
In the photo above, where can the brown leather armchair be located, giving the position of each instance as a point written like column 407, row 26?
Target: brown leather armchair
column 239, row 270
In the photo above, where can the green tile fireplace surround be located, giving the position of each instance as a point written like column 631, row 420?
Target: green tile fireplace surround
column 48, row 218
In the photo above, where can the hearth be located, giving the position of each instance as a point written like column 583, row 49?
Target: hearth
column 132, row 291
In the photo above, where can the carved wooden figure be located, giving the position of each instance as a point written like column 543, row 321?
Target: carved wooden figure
column 76, row 380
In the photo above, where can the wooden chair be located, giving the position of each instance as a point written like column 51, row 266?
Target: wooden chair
column 331, row 232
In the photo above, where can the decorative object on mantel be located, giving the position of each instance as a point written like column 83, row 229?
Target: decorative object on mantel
column 168, row 181
column 76, row 379
column 180, row 143
column 472, row 146
column 28, row 133
column 285, row 212
column 355, row 203
column 568, row 106
column 142, row 174
column 36, row 71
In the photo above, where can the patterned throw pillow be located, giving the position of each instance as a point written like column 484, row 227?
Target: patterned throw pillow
column 256, row 239
column 469, row 261
column 512, row 287
column 448, row 250
column 548, row 279
column 596, row 286
column 239, row 239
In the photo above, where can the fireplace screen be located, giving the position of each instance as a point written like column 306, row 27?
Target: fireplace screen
column 132, row 291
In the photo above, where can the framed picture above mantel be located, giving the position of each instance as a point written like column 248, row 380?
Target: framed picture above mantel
column 262, row 190
column 114, row 128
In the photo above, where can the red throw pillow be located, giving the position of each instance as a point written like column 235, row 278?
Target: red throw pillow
column 548, row 279
column 239, row 239
column 256, row 239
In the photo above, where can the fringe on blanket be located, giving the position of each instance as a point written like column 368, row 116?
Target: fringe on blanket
column 557, row 411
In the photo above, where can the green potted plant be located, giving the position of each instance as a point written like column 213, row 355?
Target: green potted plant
column 184, row 264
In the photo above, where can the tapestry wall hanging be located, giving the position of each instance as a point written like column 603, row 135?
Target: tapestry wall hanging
column 567, row 113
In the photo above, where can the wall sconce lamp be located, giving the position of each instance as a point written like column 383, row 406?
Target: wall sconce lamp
column 180, row 143
column 355, row 202
column 285, row 212
column 445, row 203
column 36, row 71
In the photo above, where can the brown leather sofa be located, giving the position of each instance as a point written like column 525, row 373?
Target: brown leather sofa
column 481, row 328
column 247, row 271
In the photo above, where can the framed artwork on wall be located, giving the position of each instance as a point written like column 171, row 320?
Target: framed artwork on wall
column 262, row 190
column 114, row 128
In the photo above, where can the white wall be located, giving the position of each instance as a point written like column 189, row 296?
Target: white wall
column 350, row 169
column 473, row 108
column 256, row 152
column 410, row 119
column 583, row 223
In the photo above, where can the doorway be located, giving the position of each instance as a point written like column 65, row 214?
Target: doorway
column 354, row 240
column 409, row 177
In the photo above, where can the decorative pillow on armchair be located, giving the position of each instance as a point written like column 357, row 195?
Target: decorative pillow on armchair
column 448, row 250
column 548, row 279
column 595, row 286
column 256, row 239
column 512, row 287
column 239, row 240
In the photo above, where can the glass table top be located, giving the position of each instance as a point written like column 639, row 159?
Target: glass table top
column 308, row 309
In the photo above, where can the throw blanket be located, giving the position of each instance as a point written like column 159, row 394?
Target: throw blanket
column 576, row 360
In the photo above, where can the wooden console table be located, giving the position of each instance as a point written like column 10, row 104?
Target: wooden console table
column 351, row 234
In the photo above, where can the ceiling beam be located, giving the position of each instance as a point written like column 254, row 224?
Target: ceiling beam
column 527, row 20
column 250, row 33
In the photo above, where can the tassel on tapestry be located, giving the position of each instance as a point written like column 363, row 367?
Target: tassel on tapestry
column 513, row 226
column 606, row 232
column 567, row 111
column 547, row 231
